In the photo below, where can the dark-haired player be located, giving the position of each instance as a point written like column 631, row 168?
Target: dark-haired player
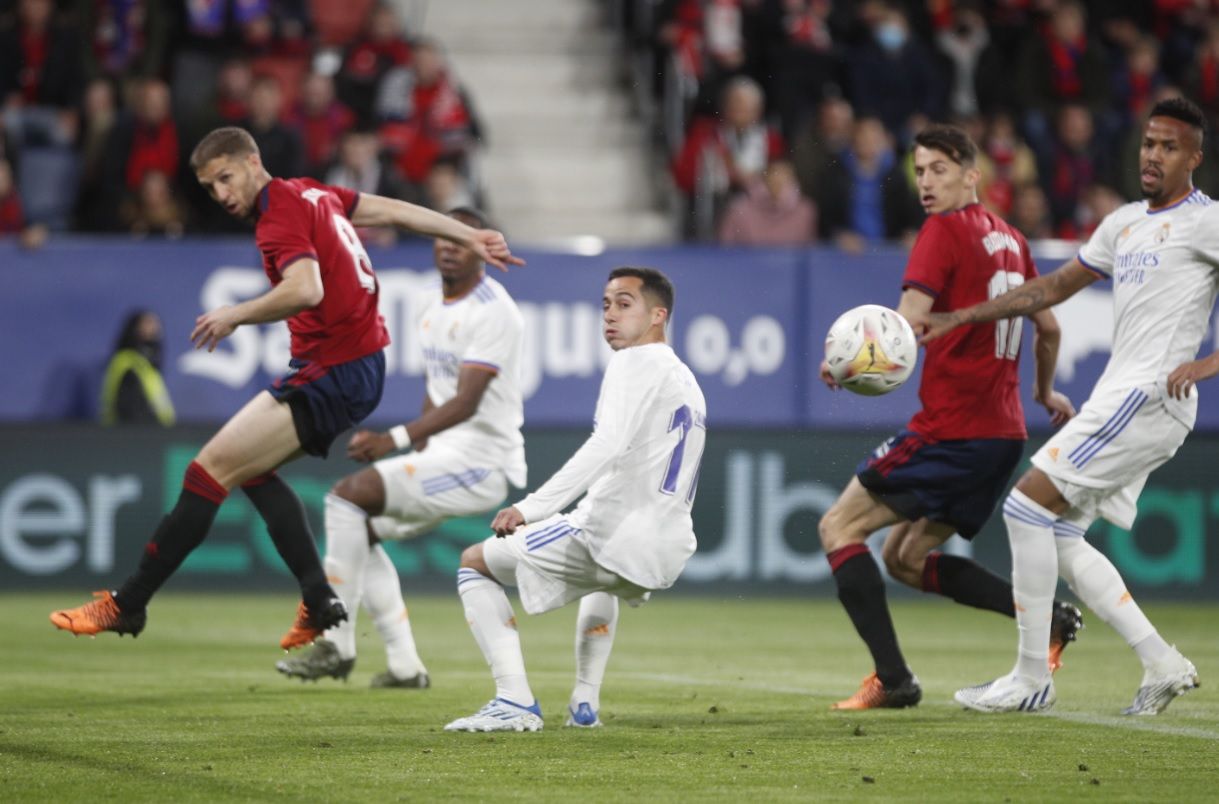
column 945, row 472
column 323, row 285
column 472, row 335
column 1162, row 254
column 630, row 534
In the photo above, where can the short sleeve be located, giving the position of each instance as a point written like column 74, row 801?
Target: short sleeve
column 348, row 199
column 283, row 234
column 932, row 259
column 495, row 340
column 1097, row 253
column 1206, row 235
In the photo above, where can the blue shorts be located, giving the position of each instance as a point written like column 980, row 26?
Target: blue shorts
column 955, row 482
column 326, row 400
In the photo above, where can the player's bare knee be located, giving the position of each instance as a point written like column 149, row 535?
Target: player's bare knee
column 472, row 558
column 364, row 489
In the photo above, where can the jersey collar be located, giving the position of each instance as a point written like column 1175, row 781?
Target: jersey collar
column 1174, row 204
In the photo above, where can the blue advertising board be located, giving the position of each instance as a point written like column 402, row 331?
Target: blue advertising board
column 750, row 323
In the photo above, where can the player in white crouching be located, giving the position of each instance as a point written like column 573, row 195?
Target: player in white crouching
column 472, row 337
column 1163, row 257
column 631, row 533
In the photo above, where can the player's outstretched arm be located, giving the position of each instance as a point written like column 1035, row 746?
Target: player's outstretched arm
column 300, row 289
column 1036, row 294
column 472, row 382
column 1184, row 377
column 377, row 210
column 1046, row 337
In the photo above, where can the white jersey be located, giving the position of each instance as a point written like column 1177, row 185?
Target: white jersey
column 639, row 466
column 1165, row 269
column 483, row 329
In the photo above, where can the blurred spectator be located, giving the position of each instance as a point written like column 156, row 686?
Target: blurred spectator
column 124, row 38
column 428, row 116
column 866, row 197
column 40, row 77
column 446, row 188
column 1203, row 76
column 360, row 168
column 321, row 119
column 1135, row 83
column 1031, row 213
column 148, row 140
column 1072, row 166
column 133, row 391
column 724, row 155
column 12, row 215
column 1095, row 202
column 963, row 43
column 279, row 145
column 1060, row 64
column 100, row 116
column 804, row 62
column 822, row 143
column 706, row 39
column 153, row 210
column 771, row 212
column 1008, row 164
column 381, row 48
column 228, row 105
column 892, row 76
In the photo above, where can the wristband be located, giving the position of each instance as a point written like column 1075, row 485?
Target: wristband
column 402, row 439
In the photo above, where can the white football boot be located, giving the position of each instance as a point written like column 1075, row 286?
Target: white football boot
column 1010, row 693
column 500, row 715
column 1172, row 677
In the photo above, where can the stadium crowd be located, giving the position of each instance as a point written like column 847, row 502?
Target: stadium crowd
column 835, row 92
column 101, row 101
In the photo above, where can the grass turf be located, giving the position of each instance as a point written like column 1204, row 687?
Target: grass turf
column 706, row 699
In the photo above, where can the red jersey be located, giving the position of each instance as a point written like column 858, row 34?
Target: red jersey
column 302, row 218
column 971, row 384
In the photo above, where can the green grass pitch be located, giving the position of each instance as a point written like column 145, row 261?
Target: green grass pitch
column 706, row 699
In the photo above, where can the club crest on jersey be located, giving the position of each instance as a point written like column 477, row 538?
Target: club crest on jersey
column 312, row 195
column 1162, row 235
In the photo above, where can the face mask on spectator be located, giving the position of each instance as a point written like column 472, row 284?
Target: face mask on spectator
column 890, row 36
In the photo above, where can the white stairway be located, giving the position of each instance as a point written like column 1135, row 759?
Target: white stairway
column 565, row 156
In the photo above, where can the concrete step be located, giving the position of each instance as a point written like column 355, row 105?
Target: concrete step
column 457, row 16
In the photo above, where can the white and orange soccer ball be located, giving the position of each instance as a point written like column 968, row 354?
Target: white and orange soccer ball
column 871, row 350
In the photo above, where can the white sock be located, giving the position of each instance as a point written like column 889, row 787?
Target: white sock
column 494, row 627
column 383, row 599
column 1097, row 583
column 346, row 557
column 1030, row 530
column 596, row 625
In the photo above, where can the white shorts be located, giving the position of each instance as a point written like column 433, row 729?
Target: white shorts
column 550, row 566
column 1100, row 460
column 423, row 489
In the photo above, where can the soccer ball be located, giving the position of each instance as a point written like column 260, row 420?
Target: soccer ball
column 871, row 350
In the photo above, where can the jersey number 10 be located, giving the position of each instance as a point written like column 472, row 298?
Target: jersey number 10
column 1007, row 330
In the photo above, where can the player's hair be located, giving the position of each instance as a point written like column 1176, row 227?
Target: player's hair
column 227, row 141
column 952, row 141
column 655, row 284
column 1184, row 110
column 474, row 214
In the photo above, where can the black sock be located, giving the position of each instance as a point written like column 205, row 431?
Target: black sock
column 181, row 531
column 967, row 582
column 284, row 514
column 862, row 592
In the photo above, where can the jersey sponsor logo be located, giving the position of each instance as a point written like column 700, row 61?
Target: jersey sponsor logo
column 999, row 241
column 312, row 195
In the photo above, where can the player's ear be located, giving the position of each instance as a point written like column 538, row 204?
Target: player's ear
column 660, row 317
column 972, row 177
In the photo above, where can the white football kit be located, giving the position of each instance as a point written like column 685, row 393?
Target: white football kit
column 632, row 532
column 466, row 469
column 1165, row 270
